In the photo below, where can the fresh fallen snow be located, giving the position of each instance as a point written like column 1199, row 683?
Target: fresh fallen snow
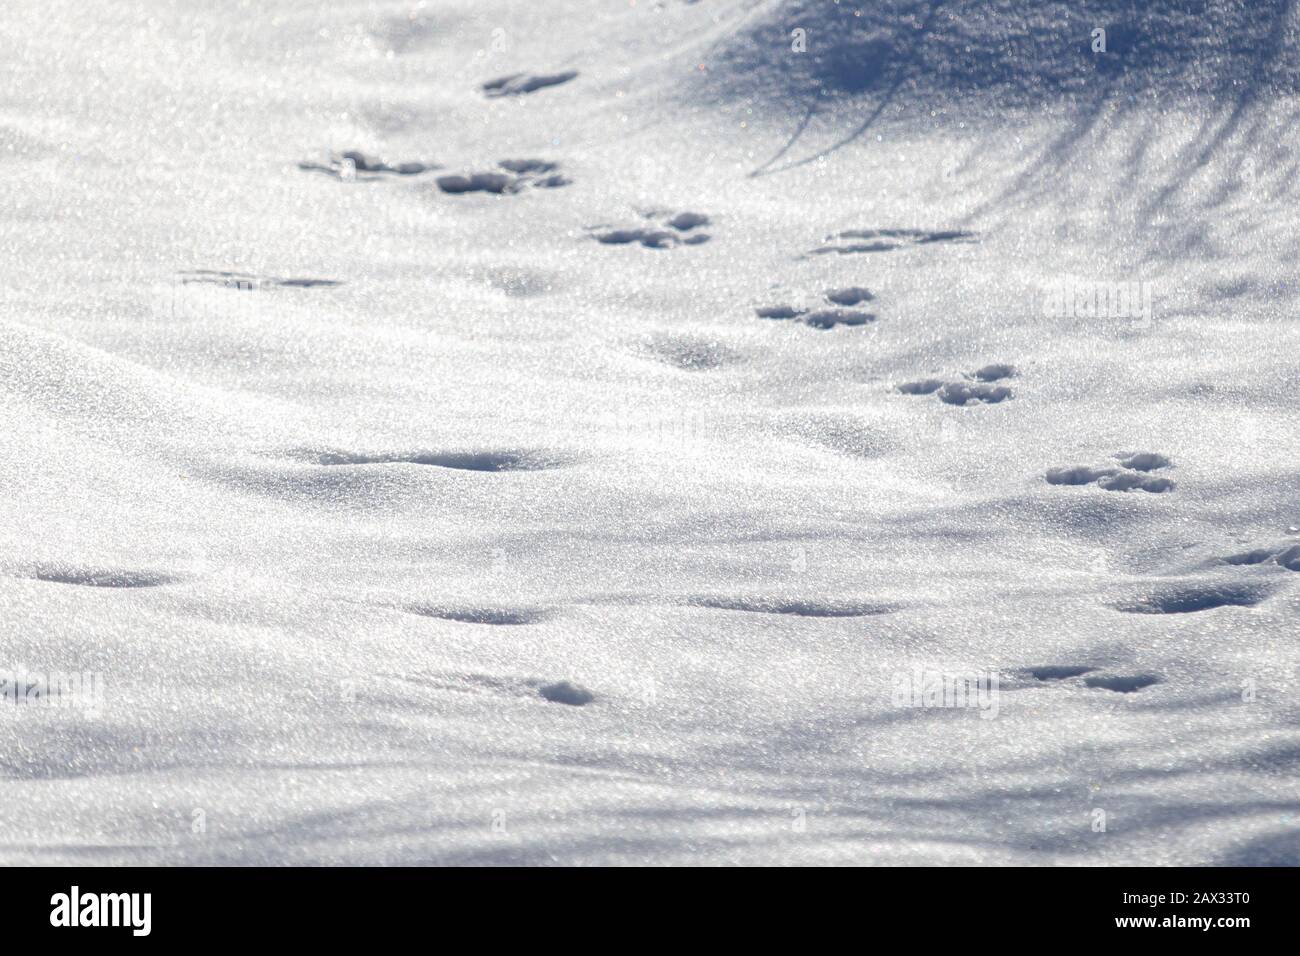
column 601, row 458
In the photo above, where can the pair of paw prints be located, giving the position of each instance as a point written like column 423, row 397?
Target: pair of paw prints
column 821, row 317
column 977, row 386
column 1087, row 676
column 511, row 176
column 665, row 229
column 247, row 281
column 1132, row 475
column 352, row 165
column 1193, row 596
column 1286, row 556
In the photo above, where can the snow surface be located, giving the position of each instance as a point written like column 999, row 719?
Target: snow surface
column 503, row 432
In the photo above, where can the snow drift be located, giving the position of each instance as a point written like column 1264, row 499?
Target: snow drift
column 599, row 433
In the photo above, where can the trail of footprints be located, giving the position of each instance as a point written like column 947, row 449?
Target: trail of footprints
column 660, row 229
column 570, row 693
column 574, row 694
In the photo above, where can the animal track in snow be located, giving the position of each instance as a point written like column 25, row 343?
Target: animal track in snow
column 501, row 617
column 994, row 372
column 850, row 295
column 853, row 241
column 94, row 577
column 668, row 229
column 1287, row 557
column 925, row 386
column 977, row 388
column 519, row 174
column 558, row 692
column 1191, row 598
column 492, row 461
column 517, row 84
column 1086, row 676
column 963, row 393
column 566, row 692
column 353, row 165
column 1120, row 683
column 796, row 608
column 1055, row 672
column 1143, row 461
column 779, row 312
column 1132, row 481
column 829, row 318
column 1132, row 476
column 247, row 281
column 1258, row 556
column 821, row 317
column 686, row 221
column 818, row 318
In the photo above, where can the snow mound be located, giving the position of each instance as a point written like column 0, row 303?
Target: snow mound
column 922, row 53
